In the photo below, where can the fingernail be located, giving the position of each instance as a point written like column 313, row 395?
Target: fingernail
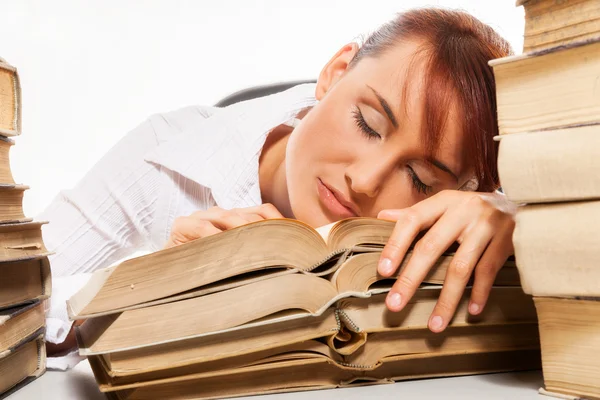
column 436, row 323
column 474, row 308
column 394, row 301
column 385, row 266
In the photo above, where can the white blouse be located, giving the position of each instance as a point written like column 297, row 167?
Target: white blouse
column 171, row 165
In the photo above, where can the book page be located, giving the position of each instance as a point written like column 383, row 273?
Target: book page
column 325, row 230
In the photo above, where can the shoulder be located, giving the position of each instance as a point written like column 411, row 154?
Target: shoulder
column 170, row 123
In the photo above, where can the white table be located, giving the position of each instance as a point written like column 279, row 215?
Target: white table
column 80, row 384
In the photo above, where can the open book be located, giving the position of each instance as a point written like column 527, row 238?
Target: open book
column 165, row 342
column 277, row 295
column 263, row 250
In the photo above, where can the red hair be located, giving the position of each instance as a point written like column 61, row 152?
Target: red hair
column 457, row 47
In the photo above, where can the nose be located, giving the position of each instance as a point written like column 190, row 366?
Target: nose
column 368, row 176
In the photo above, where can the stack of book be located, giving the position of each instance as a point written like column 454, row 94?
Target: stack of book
column 549, row 163
column 277, row 306
column 24, row 268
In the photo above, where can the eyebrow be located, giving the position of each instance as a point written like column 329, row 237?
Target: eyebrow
column 388, row 111
column 386, row 107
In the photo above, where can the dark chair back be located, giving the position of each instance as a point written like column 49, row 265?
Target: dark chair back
column 259, row 91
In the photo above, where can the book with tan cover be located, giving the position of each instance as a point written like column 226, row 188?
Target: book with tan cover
column 22, row 364
column 570, row 343
column 10, row 100
column 554, row 89
column 552, row 23
column 551, row 166
column 556, row 246
column 11, row 204
column 343, row 346
column 208, row 265
column 19, row 322
column 199, row 311
column 22, row 241
column 6, row 177
column 319, row 373
column 230, row 311
column 24, row 281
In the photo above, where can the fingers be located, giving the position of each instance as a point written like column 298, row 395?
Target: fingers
column 267, row 211
column 409, row 222
column 186, row 229
column 224, row 220
column 486, row 270
column 214, row 220
column 251, row 217
column 480, row 223
column 458, row 274
column 425, row 254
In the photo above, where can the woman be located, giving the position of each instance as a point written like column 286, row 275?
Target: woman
column 401, row 128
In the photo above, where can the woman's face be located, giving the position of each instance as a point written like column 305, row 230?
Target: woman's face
column 359, row 150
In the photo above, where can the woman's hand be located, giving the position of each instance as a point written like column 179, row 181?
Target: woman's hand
column 214, row 220
column 482, row 223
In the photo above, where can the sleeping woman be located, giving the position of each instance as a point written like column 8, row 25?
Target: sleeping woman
column 400, row 128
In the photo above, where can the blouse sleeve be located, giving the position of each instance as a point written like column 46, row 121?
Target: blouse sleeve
column 104, row 218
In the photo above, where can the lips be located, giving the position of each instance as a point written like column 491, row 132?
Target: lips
column 335, row 202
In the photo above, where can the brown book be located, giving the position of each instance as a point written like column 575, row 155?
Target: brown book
column 125, row 371
column 24, row 281
column 551, row 23
column 550, row 166
column 280, row 301
column 6, row 177
column 23, row 364
column 556, row 246
column 556, row 89
column 10, row 100
column 319, row 373
column 19, row 322
column 570, row 342
column 11, row 204
column 22, row 241
column 199, row 312
column 208, row 265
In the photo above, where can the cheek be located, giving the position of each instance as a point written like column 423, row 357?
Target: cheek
column 397, row 194
column 318, row 147
column 325, row 139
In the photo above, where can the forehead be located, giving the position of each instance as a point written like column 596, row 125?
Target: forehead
column 426, row 106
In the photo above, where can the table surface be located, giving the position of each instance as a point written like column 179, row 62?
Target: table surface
column 79, row 383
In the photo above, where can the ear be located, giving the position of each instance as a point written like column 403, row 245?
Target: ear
column 335, row 69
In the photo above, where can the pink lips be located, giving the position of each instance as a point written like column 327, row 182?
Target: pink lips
column 334, row 201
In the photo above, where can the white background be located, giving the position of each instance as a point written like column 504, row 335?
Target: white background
column 91, row 71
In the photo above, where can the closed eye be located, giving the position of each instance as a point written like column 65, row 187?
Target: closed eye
column 369, row 132
column 418, row 184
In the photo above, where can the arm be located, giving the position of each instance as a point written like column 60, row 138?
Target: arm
column 104, row 218
column 109, row 214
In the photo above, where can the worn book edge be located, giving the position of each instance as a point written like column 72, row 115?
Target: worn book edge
column 41, row 369
column 539, row 53
column 34, row 336
column 14, row 311
column 17, row 100
column 559, row 395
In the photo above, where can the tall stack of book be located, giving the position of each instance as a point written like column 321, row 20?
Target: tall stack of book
column 277, row 306
column 549, row 163
column 24, row 268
